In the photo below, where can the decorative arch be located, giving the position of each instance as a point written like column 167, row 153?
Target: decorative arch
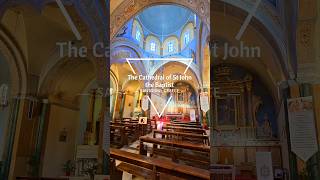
column 188, row 30
column 151, row 41
column 193, row 69
column 13, row 57
column 272, row 37
column 12, row 53
column 114, row 83
column 126, row 49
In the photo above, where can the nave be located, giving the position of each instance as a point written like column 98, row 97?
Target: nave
column 177, row 149
column 219, row 97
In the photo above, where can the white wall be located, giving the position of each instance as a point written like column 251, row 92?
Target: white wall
column 57, row 153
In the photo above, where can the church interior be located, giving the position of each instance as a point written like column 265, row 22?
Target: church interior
column 161, row 90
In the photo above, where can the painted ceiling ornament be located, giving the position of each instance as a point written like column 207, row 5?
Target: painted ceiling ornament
column 131, row 6
column 4, row 95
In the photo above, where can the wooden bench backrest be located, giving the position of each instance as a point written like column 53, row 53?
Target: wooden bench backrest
column 191, row 135
column 171, row 143
column 160, row 165
column 185, row 129
column 185, row 125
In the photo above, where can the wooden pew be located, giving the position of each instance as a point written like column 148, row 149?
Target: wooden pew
column 39, row 178
column 158, row 168
column 185, row 125
column 185, row 129
column 181, row 122
column 180, row 135
column 174, row 149
column 122, row 135
column 184, row 122
column 171, row 143
column 131, row 130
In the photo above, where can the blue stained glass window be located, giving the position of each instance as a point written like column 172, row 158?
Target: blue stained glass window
column 138, row 35
column 170, row 47
column 153, row 46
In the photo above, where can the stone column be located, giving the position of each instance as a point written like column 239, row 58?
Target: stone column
column 242, row 104
column 6, row 167
column 40, row 131
column 250, row 113
column 123, row 100
column 199, row 106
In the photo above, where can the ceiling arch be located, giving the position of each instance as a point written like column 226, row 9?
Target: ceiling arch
column 13, row 55
column 170, row 68
column 128, row 9
column 67, row 80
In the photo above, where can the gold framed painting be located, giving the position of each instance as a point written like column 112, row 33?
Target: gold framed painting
column 226, row 112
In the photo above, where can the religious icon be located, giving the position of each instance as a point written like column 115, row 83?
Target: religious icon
column 264, row 129
column 143, row 120
column 180, row 97
column 226, row 114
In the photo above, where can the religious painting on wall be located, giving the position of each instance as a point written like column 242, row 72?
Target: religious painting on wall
column 180, row 97
column 244, row 102
column 226, row 112
column 264, row 128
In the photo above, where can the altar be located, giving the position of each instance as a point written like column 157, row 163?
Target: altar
column 244, row 119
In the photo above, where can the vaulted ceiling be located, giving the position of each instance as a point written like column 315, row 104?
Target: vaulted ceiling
column 164, row 19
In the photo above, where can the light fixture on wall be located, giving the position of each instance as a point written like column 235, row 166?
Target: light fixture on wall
column 4, row 95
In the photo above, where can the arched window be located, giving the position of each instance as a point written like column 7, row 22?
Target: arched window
column 170, row 46
column 152, row 44
column 137, row 32
column 187, row 35
column 138, row 35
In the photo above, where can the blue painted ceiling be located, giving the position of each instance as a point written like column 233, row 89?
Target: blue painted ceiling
column 164, row 20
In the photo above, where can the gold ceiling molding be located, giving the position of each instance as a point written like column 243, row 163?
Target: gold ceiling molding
column 128, row 8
